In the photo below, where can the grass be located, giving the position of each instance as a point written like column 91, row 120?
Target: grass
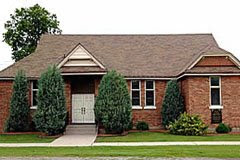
column 24, row 138
column 143, row 151
column 166, row 137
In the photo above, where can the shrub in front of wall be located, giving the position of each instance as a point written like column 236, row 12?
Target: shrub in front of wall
column 51, row 111
column 141, row 125
column 223, row 128
column 113, row 106
column 173, row 104
column 18, row 119
column 189, row 125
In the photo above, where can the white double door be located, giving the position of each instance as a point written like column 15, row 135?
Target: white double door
column 83, row 108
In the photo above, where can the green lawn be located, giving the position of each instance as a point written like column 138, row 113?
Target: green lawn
column 166, row 137
column 24, row 138
column 147, row 151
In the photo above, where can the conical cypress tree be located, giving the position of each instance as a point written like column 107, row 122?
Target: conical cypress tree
column 113, row 106
column 51, row 109
column 18, row 119
column 173, row 104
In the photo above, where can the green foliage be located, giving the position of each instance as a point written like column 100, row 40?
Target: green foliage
column 223, row 128
column 51, row 110
column 113, row 106
column 26, row 27
column 18, row 119
column 189, row 125
column 141, row 125
column 173, row 104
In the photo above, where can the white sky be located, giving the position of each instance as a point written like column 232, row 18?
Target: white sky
column 220, row 17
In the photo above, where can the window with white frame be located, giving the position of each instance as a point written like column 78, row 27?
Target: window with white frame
column 215, row 89
column 34, row 93
column 136, row 92
column 150, row 93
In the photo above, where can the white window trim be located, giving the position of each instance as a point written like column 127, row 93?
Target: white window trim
column 220, row 94
column 136, row 106
column 32, row 90
column 154, row 105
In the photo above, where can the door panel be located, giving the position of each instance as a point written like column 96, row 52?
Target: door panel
column 89, row 108
column 83, row 108
column 77, row 104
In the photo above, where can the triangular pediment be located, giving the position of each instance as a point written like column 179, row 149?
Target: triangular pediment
column 215, row 57
column 80, row 57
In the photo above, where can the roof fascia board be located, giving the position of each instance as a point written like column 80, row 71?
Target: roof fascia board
column 7, row 78
column 150, row 78
column 208, row 74
column 183, row 75
column 85, row 73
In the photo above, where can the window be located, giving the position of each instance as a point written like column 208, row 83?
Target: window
column 215, row 89
column 34, row 94
column 150, row 93
column 136, row 93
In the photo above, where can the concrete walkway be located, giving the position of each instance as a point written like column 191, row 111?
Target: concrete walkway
column 24, row 144
column 165, row 143
column 88, row 140
column 74, row 140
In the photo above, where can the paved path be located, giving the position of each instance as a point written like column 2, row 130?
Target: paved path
column 24, row 144
column 88, row 140
column 106, row 158
column 164, row 143
column 74, row 140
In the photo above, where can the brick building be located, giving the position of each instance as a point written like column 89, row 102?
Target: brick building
column 209, row 76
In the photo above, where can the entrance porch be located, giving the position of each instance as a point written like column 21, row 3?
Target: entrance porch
column 80, row 92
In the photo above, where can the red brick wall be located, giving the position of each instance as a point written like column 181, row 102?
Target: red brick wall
column 196, row 96
column 231, row 100
column 5, row 97
column 68, row 96
column 151, row 116
column 196, row 91
column 215, row 61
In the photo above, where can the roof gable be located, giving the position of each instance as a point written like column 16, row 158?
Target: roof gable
column 80, row 57
column 215, row 56
column 214, row 61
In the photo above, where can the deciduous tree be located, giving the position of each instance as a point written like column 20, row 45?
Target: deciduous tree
column 25, row 28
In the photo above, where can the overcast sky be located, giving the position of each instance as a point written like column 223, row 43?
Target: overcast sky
column 220, row 17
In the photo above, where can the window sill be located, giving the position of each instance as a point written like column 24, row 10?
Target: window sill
column 33, row 107
column 150, row 107
column 216, row 107
column 136, row 107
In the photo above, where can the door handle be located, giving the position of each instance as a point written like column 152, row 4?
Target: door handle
column 81, row 110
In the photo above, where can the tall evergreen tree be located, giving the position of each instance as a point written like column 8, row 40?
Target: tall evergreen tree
column 113, row 106
column 18, row 119
column 173, row 104
column 51, row 108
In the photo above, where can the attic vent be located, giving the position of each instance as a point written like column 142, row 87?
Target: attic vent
column 80, row 57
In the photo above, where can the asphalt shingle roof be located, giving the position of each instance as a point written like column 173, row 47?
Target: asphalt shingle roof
column 131, row 55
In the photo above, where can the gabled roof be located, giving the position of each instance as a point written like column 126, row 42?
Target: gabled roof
column 131, row 55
